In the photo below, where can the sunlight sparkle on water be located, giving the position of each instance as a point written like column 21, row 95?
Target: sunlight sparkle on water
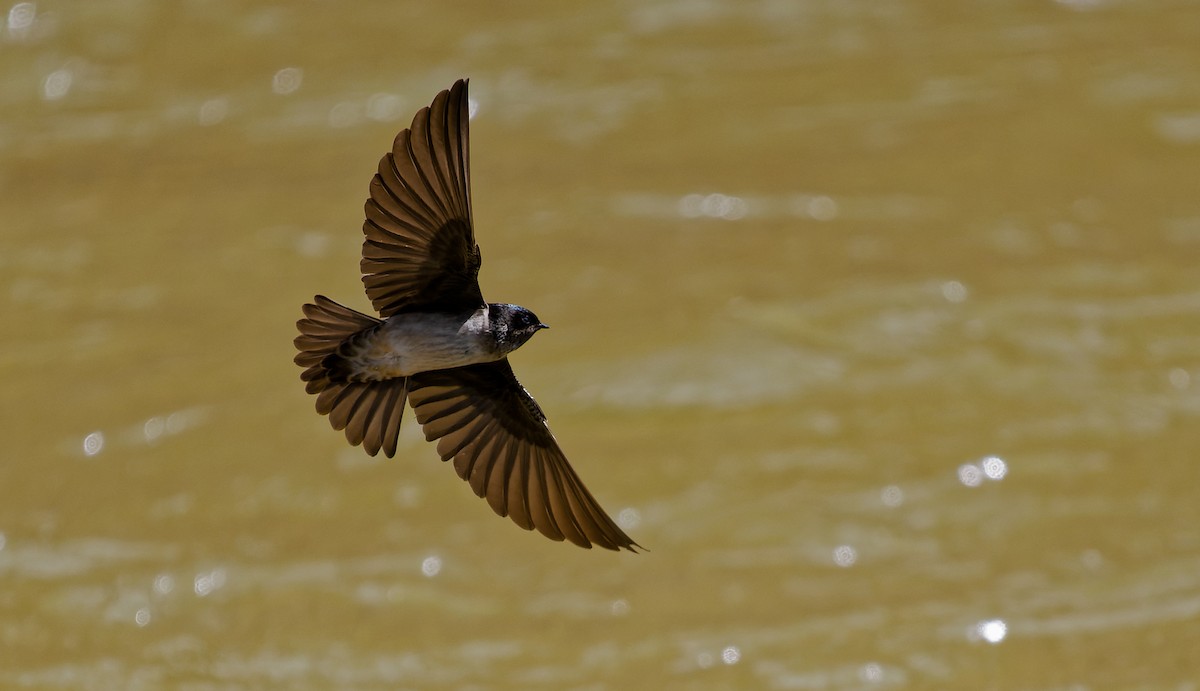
column 163, row 583
column 345, row 114
column 213, row 111
column 992, row 630
column 954, row 291
column 629, row 518
column 818, row 207
column 431, row 566
column 988, row 468
column 892, row 496
column 205, row 583
column 57, row 84
column 157, row 427
column 845, row 556
column 385, row 107
column 729, row 655
column 994, row 467
column 287, row 80
column 713, row 206
column 153, row 428
column 871, row 672
column 21, row 18
column 93, row 443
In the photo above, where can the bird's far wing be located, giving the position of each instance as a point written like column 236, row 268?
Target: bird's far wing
column 497, row 435
column 419, row 253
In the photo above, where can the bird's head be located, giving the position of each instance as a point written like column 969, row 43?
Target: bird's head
column 513, row 325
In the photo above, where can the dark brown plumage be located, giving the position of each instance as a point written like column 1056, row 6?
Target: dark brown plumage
column 420, row 258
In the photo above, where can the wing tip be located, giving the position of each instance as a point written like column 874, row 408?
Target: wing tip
column 623, row 543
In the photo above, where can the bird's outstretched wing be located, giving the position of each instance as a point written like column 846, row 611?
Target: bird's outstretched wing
column 485, row 421
column 419, row 253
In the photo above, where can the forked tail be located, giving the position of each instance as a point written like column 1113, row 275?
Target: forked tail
column 370, row 412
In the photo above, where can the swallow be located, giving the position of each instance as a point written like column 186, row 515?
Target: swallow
column 438, row 347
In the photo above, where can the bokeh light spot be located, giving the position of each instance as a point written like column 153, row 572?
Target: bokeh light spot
column 345, row 114
column 892, row 496
column 872, row 672
column 57, row 84
column 970, row 475
column 204, row 584
column 713, row 205
column 954, row 291
column 20, row 18
column 629, row 518
column 823, row 208
column 844, row 556
column 213, row 111
column 431, row 566
column 153, row 428
column 93, row 443
column 385, row 107
column 163, row 583
column 993, row 630
column 994, row 467
column 287, row 80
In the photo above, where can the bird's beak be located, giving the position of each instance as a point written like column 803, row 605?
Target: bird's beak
column 543, row 326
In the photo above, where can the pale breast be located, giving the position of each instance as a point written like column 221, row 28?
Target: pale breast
column 419, row 342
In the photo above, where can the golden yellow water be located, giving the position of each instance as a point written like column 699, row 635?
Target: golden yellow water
column 877, row 322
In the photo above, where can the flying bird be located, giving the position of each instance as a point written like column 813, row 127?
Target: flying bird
column 438, row 347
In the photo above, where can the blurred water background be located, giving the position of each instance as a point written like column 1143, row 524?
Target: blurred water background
column 877, row 322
